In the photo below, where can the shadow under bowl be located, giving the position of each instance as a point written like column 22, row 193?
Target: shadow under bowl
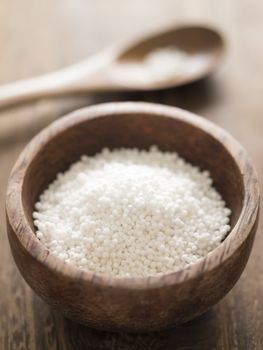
column 132, row 304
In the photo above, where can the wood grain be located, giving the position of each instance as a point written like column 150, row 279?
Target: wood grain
column 32, row 41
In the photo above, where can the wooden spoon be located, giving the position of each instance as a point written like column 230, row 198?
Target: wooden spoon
column 125, row 67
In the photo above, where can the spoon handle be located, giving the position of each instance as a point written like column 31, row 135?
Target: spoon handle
column 84, row 76
column 30, row 89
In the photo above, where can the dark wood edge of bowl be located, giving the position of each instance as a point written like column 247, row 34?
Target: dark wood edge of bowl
column 20, row 226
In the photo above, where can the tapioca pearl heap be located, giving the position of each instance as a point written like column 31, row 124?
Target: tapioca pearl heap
column 131, row 213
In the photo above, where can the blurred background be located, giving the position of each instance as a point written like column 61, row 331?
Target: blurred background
column 37, row 37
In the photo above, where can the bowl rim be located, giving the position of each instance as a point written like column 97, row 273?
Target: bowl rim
column 17, row 219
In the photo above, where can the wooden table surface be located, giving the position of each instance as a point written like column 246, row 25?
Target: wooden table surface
column 40, row 36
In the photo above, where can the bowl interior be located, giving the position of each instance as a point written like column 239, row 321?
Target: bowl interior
column 134, row 130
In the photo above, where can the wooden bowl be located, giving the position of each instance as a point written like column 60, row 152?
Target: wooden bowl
column 132, row 304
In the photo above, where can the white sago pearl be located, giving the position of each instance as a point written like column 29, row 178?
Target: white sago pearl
column 131, row 213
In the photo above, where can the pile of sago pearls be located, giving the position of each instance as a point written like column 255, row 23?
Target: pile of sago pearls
column 131, row 213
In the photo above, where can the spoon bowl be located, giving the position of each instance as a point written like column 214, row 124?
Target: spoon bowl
column 201, row 49
column 132, row 304
column 197, row 49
